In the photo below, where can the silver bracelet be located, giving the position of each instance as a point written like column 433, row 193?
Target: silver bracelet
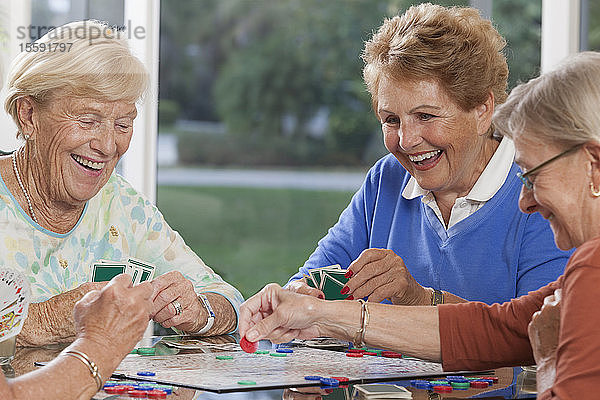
column 89, row 363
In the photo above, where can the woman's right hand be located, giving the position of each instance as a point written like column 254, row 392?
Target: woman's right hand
column 117, row 314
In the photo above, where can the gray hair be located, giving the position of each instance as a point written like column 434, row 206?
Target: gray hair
column 560, row 107
column 84, row 58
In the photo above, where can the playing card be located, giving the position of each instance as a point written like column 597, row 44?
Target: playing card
column 142, row 271
column 332, row 289
column 382, row 391
column 14, row 302
column 102, row 272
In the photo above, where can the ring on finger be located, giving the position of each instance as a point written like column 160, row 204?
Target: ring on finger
column 178, row 308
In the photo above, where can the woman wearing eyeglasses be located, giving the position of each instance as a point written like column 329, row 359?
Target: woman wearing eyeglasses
column 555, row 124
column 436, row 220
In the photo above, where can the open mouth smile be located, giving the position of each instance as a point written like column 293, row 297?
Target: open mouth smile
column 426, row 160
column 91, row 165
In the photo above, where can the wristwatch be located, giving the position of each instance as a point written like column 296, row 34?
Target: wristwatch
column 437, row 297
column 211, row 314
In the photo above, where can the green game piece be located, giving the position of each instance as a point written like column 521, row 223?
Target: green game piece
column 439, row 382
column 460, row 385
column 261, row 352
column 246, row 383
column 224, row 357
column 146, row 351
column 134, row 351
column 278, row 354
column 472, row 378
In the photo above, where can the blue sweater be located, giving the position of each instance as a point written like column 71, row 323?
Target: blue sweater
column 493, row 255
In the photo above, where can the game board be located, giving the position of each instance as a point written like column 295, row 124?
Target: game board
column 205, row 372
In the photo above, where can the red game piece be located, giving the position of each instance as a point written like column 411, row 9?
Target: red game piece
column 442, row 389
column 340, row 378
column 370, row 353
column 479, row 384
column 138, row 394
column 391, row 354
column 248, row 346
column 157, row 394
column 354, row 354
column 116, row 389
column 355, row 351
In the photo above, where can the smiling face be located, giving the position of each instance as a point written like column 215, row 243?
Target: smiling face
column 560, row 190
column 444, row 147
column 78, row 142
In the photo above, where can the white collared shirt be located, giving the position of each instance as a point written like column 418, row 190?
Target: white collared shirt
column 490, row 181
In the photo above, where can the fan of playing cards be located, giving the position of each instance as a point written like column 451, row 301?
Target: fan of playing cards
column 14, row 302
column 330, row 280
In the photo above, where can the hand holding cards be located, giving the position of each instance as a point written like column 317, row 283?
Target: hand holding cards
column 330, row 280
column 14, row 303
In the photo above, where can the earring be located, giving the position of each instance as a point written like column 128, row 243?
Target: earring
column 26, row 137
column 595, row 193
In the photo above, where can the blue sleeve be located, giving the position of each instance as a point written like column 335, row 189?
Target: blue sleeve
column 540, row 261
column 347, row 238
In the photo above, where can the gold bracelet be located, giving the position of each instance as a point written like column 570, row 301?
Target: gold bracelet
column 359, row 337
column 89, row 363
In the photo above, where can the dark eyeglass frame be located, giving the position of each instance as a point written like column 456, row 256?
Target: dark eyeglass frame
column 525, row 177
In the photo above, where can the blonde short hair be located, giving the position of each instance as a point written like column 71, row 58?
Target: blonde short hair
column 559, row 107
column 454, row 46
column 85, row 58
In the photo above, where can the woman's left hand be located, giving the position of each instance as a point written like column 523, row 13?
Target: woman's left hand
column 170, row 287
column 544, row 327
column 381, row 274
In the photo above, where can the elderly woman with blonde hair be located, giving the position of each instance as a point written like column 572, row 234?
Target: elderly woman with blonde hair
column 63, row 208
column 436, row 221
column 555, row 124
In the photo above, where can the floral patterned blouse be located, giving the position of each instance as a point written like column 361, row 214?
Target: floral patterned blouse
column 117, row 223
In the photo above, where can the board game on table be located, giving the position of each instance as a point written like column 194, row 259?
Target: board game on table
column 266, row 371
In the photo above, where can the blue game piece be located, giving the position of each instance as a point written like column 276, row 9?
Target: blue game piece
column 417, row 381
column 313, row 377
column 284, row 350
column 329, row 382
column 423, row 385
column 449, row 377
column 146, row 373
column 143, row 387
column 457, row 380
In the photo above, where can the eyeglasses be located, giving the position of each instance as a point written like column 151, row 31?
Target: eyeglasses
column 525, row 177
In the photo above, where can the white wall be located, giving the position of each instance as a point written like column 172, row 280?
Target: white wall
column 560, row 31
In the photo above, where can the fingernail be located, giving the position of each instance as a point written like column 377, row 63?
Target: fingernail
column 251, row 336
column 345, row 290
column 350, row 297
column 348, row 274
column 328, row 391
column 321, row 297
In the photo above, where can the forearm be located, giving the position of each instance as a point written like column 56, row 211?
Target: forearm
column 412, row 331
column 49, row 322
column 426, row 298
column 225, row 315
column 65, row 376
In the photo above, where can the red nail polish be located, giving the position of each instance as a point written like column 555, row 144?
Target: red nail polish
column 328, row 391
column 321, row 296
column 345, row 290
column 350, row 297
column 348, row 274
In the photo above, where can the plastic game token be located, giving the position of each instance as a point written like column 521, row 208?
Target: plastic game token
column 220, row 357
column 329, row 382
column 426, row 385
column 450, row 377
column 110, row 383
column 146, row 351
column 167, row 389
column 442, row 389
column 284, row 350
column 262, row 352
column 370, row 353
column 278, row 354
column 340, row 378
column 356, row 351
column 491, row 382
column 146, row 373
column 138, row 394
column 460, row 385
column 116, row 389
column 391, row 354
column 354, row 354
column 134, row 351
column 248, row 346
column 246, row 383
column 441, row 383
column 479, row 384
column 313, row 377
column 157, row 394
column 494, row 379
